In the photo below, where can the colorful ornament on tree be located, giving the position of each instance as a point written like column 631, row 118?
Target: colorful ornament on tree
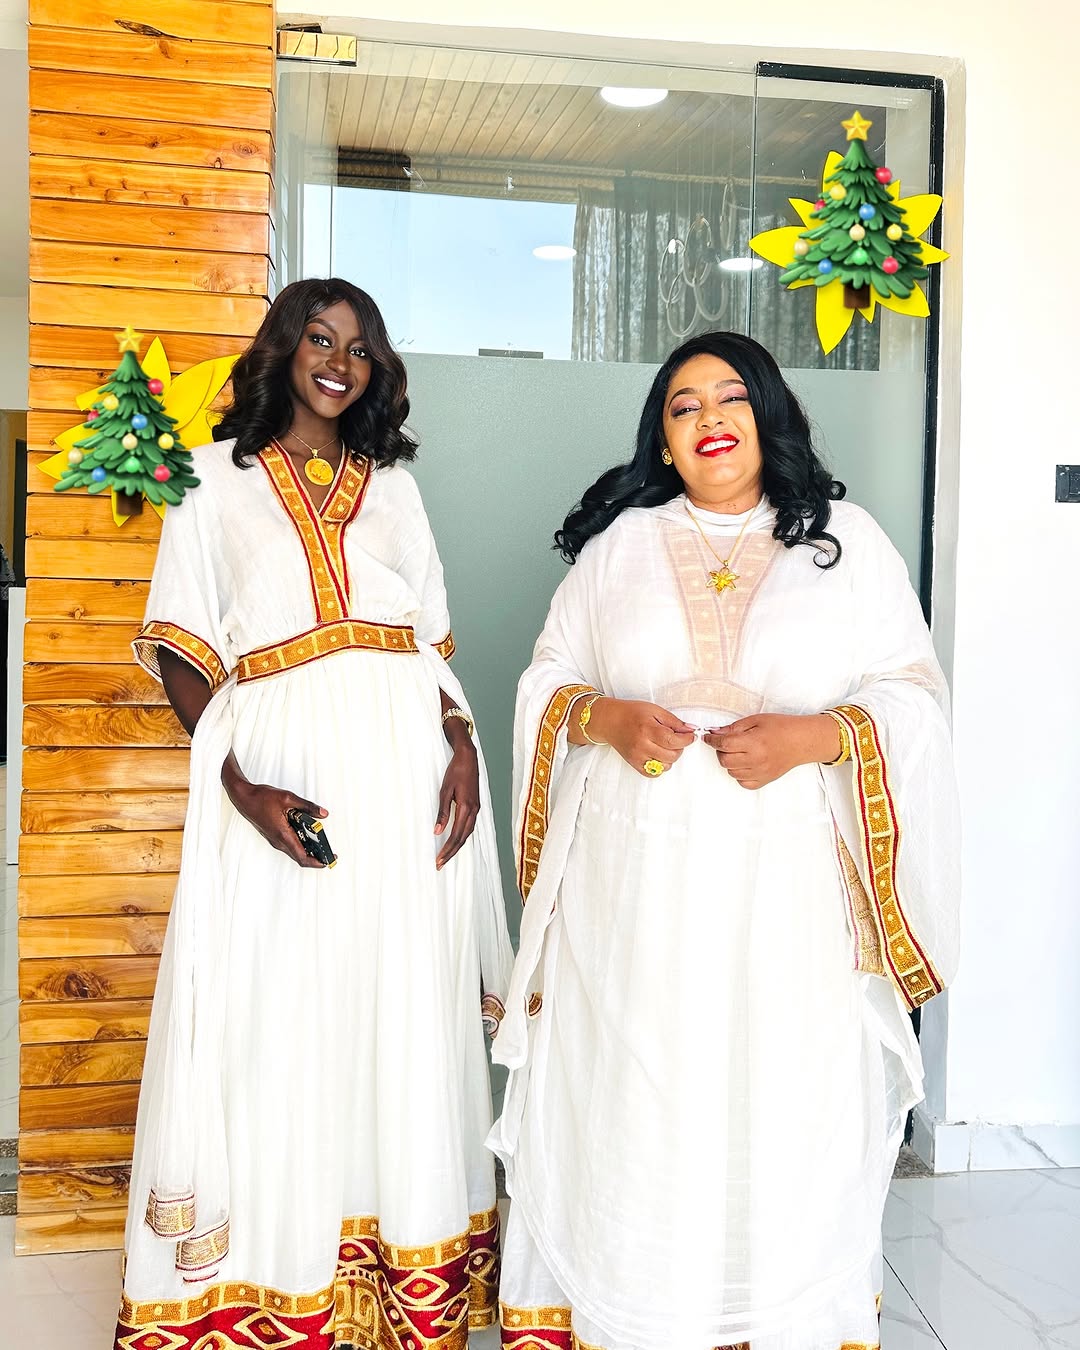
column 165, row 441
column 856, row 231
column 139, row 420
column 110, row 403
column 130, row 441
column 75, row 457
column 162, row 474
column 156, row 387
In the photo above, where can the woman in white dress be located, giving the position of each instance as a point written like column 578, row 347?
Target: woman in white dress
column 309, row 1164
column 737, row 836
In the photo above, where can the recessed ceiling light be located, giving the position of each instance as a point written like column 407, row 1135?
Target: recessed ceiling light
column 554, row 252
column 623, row 97
column 741, row 264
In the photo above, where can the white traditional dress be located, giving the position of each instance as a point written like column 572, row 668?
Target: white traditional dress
column 708, row 1024
column 309, row 1164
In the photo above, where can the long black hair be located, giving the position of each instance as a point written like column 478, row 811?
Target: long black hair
column 262, row 405
column 797, row 484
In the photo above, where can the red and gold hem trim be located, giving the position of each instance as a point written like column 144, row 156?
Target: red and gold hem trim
column 907, row 964
column 193, row 650
column 324, row 640
column 447, row 647
column 172, row 1218
column 537, row 803
column 383, row 1297
column 553, row 1329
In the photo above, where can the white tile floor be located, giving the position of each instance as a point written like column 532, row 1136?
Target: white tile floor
column 982, row 1261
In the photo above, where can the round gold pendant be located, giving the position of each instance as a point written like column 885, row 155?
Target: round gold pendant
column 319, row 472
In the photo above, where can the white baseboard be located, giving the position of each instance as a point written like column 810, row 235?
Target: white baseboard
column 964, row 1146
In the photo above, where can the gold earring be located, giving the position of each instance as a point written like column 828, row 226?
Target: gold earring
column 665, row 455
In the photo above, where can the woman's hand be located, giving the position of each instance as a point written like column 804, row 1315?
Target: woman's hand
column 638, row 731
column 460, row 791
column 265, row 807
column 758, row 750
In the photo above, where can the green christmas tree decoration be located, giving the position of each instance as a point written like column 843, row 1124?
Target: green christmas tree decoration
column 859, row 237
column 131, row 447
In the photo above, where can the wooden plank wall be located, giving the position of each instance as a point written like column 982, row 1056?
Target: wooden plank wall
column 150, row 204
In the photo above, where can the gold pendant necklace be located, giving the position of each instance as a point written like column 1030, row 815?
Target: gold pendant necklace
column 317, row 470
column 724, row 577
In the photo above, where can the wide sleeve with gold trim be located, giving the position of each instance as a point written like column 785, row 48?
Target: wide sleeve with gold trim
column 186, row 602
column 894, row 803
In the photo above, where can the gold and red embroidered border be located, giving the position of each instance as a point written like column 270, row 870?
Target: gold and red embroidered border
column 173, row 1218
column 535, row 816
column 492, row 1012
column 185, row 644
column 909, row 966
column 198, row 1257
column 384, row 1297
column 447, row 647
column 322, row 534
column 325, row 640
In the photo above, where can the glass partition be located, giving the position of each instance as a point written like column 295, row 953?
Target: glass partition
column 540, row 232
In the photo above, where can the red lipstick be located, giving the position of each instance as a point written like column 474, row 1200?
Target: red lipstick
column 711, row 446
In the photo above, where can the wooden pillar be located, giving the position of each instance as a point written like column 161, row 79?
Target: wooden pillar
column 150, row 205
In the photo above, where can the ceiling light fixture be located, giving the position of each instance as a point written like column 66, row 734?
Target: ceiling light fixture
column 554, row 252
column 741, row 264
column 623, row 97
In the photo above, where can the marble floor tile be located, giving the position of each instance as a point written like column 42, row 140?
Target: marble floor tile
column 992, row 1259
column 903, row 1327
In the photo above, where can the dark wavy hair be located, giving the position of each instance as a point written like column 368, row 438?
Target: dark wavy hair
column 262, row 405
column 797, row 484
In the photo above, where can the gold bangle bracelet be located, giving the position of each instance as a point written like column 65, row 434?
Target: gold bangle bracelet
column 585, row 714
column 461, row 714
column 845, row 739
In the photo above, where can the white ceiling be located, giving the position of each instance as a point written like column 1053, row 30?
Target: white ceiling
column 14, row 172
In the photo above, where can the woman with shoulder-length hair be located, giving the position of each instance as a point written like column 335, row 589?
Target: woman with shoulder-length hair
column 309, row 1162
column 737, row 836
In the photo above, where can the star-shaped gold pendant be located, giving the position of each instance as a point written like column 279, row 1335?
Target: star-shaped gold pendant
column 723, row 579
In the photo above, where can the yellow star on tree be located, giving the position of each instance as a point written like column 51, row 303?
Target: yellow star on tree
column 856, row 126
column 129, row 340
column 832, row 315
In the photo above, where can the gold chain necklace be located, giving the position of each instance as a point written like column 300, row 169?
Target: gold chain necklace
column 316, row 470
column 723, row 578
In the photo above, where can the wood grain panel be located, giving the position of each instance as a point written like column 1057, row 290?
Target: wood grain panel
column 111, row 935
column 80, row 682
column 101, row 95
column 118, row 225
column 78, row 725
column 89, row 1188
column 220, row 22
column 53, row 1108
column 75, row 1148
column 130, row 894
column 163, row 269
column 81, row 1062
column 56, row 389
column 54, row 345
column 101, row 770
column 54, row 640
column 68, row 178
column 130, row 851
column 138, row 141
column 90, row 559
column 95, row 601
column 100, row 812
column 85, row 1019
column 96, row 305
column 41, row 427
column 109, row 977
column 97, row 1230
column 80, row 515
column 36, row 481
column 157, row 58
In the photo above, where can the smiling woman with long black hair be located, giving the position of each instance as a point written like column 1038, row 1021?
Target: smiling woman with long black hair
column 309, row 1149
column 733, row 717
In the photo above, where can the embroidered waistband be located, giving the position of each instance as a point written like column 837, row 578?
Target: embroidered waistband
column 339, row 636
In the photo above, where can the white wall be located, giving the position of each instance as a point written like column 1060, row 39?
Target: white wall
column 1007, row 554
column 14, row 354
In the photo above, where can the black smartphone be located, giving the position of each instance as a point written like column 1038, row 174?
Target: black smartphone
column 309, row 830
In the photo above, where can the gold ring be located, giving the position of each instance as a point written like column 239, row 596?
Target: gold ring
column 653, row 768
